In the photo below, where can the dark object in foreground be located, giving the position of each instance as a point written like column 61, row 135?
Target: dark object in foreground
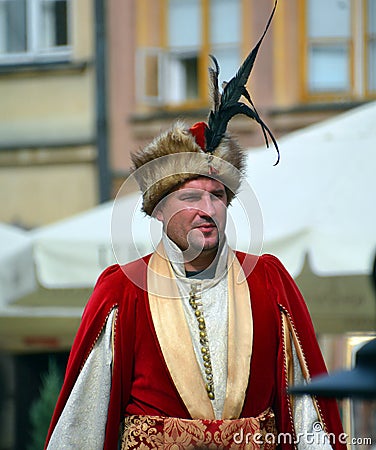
column 359, row 382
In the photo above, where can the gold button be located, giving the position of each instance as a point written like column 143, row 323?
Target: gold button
column 209, row 387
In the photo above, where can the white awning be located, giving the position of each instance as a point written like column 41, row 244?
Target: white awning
column 320, row 199
column 17, row 276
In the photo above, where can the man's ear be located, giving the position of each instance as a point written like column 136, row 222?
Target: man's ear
column 158, row 214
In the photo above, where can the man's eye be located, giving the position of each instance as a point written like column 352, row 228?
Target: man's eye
column 190, row 198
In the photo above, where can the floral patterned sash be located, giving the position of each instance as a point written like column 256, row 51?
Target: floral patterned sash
column 155, row 432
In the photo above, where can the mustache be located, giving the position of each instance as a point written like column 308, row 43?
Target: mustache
column 203, row 222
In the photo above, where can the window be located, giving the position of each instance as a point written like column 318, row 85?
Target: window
column 371, row 45
column 184, row 40
column 225, row 35
column 34, row 30
column 194, row 29
column 329, row 46
column 340, row 48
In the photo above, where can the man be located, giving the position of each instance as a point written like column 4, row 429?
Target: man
column 194, row 345
column 178, row 335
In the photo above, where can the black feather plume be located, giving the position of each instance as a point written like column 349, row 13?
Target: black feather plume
column 214, row 88
column 227, row 105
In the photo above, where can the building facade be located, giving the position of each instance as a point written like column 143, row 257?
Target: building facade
column 155, row 60
column 307, row 68
column 47, row 110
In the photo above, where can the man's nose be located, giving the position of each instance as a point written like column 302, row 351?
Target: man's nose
column 207, row 204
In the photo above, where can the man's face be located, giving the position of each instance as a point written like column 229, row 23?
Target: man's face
column 194, row 215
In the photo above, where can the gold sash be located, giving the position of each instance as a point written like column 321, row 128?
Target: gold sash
column 155, row 432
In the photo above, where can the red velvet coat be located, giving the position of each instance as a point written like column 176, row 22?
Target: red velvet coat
column 141, row 382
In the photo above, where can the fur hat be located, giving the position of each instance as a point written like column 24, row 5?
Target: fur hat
column 175, row 157
column 181, row 153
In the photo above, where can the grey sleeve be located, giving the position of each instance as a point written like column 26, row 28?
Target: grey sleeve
column 309, row 431
column 83, row 420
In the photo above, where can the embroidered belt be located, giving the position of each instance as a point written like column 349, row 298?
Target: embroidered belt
column 156, row 432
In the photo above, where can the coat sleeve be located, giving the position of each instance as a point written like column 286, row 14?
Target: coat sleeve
column 82, row 422
column 306, row 421
column 105, row 298
column 292, row 306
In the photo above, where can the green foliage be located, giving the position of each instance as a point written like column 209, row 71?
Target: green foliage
column 42, row 409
